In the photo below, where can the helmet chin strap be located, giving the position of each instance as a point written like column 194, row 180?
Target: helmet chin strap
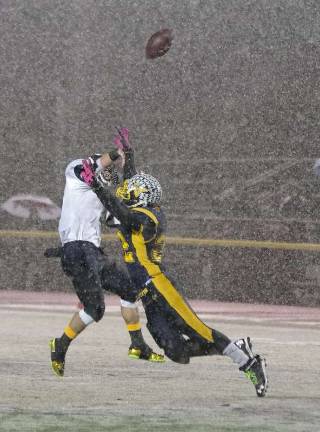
column 138, row 204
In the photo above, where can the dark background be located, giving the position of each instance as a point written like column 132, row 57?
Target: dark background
column 228, row 121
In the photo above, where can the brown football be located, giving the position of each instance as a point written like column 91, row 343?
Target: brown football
column 159, row 43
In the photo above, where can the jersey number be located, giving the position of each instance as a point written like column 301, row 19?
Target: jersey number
column 127, row 255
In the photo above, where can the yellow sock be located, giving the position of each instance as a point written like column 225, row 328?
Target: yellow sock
column 134, row 327
column 70, row 332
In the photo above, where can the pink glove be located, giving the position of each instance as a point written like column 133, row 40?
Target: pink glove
column 88, row 174
column 122, row 139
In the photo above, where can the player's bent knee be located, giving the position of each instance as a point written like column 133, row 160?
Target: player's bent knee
column 176, row 352
column 99, row 313
column 96, row 312
column 172, row 343
column 85, row 317
column 177, row 357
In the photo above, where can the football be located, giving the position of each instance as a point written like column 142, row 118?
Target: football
column 159, row 44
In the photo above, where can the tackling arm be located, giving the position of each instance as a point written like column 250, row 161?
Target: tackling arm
column 122, row 142
column 116, row 207
column 129, row 169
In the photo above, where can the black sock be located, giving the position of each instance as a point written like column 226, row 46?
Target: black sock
column 64, row 343
column 137, row 339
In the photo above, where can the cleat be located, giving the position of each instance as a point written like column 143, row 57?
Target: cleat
column 156, row 358
column 57, row 359
column 149, row 355
column 255, row 369
column 134, row 353
column 256, row 372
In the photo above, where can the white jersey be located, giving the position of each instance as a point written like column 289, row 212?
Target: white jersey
column 81, row 210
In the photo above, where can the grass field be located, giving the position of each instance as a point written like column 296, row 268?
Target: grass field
column 103, row 390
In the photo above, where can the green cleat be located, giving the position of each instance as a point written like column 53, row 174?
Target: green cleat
column 57, row 358
column 256, row 373
column 255, row 369
column 149, row 355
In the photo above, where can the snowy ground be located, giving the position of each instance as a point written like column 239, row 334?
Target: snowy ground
column 103, row 390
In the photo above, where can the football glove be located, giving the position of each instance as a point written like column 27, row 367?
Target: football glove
column 121, row 141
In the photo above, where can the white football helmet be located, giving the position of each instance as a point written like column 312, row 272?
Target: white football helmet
column 140, row 190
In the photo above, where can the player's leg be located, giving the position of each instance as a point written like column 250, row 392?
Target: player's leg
column 165, row 330
column 117, row 281
column 59, row 346
column 139, row 349
column 253, row 365
column 240, row 352
column 79, row 262
column 181, row 314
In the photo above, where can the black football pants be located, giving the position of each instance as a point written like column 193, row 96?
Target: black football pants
column 92, row 274
column 175, row 327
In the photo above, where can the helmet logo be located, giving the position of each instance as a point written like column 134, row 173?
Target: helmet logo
column 138, row 190
column 122, row 192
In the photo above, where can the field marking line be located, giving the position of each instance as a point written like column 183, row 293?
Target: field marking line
column 114, row 311
column 229, row 243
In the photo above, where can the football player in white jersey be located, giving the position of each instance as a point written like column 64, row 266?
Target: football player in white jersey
column 91, row 272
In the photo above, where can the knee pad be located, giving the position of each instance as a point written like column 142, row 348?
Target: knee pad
column 95, row 311
column 85, row 318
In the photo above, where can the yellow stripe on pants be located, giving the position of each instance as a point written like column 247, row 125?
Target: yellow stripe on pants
column 176, row 301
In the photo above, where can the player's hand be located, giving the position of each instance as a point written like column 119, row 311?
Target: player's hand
column 121, row 141
column 87, row 174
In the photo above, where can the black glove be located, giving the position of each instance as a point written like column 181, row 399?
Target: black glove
column 114, row 155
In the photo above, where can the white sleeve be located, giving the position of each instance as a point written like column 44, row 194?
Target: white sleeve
column 95, row 160
column 69, row 172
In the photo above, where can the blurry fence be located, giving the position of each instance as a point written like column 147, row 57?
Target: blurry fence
column 215, row 269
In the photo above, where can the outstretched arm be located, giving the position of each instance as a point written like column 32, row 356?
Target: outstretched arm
column 129, row 168
column 121, row 141
column 97, row 163
column 109, row 158
column 116, row 207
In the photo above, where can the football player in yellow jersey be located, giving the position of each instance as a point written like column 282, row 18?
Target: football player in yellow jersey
column 175, row 327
